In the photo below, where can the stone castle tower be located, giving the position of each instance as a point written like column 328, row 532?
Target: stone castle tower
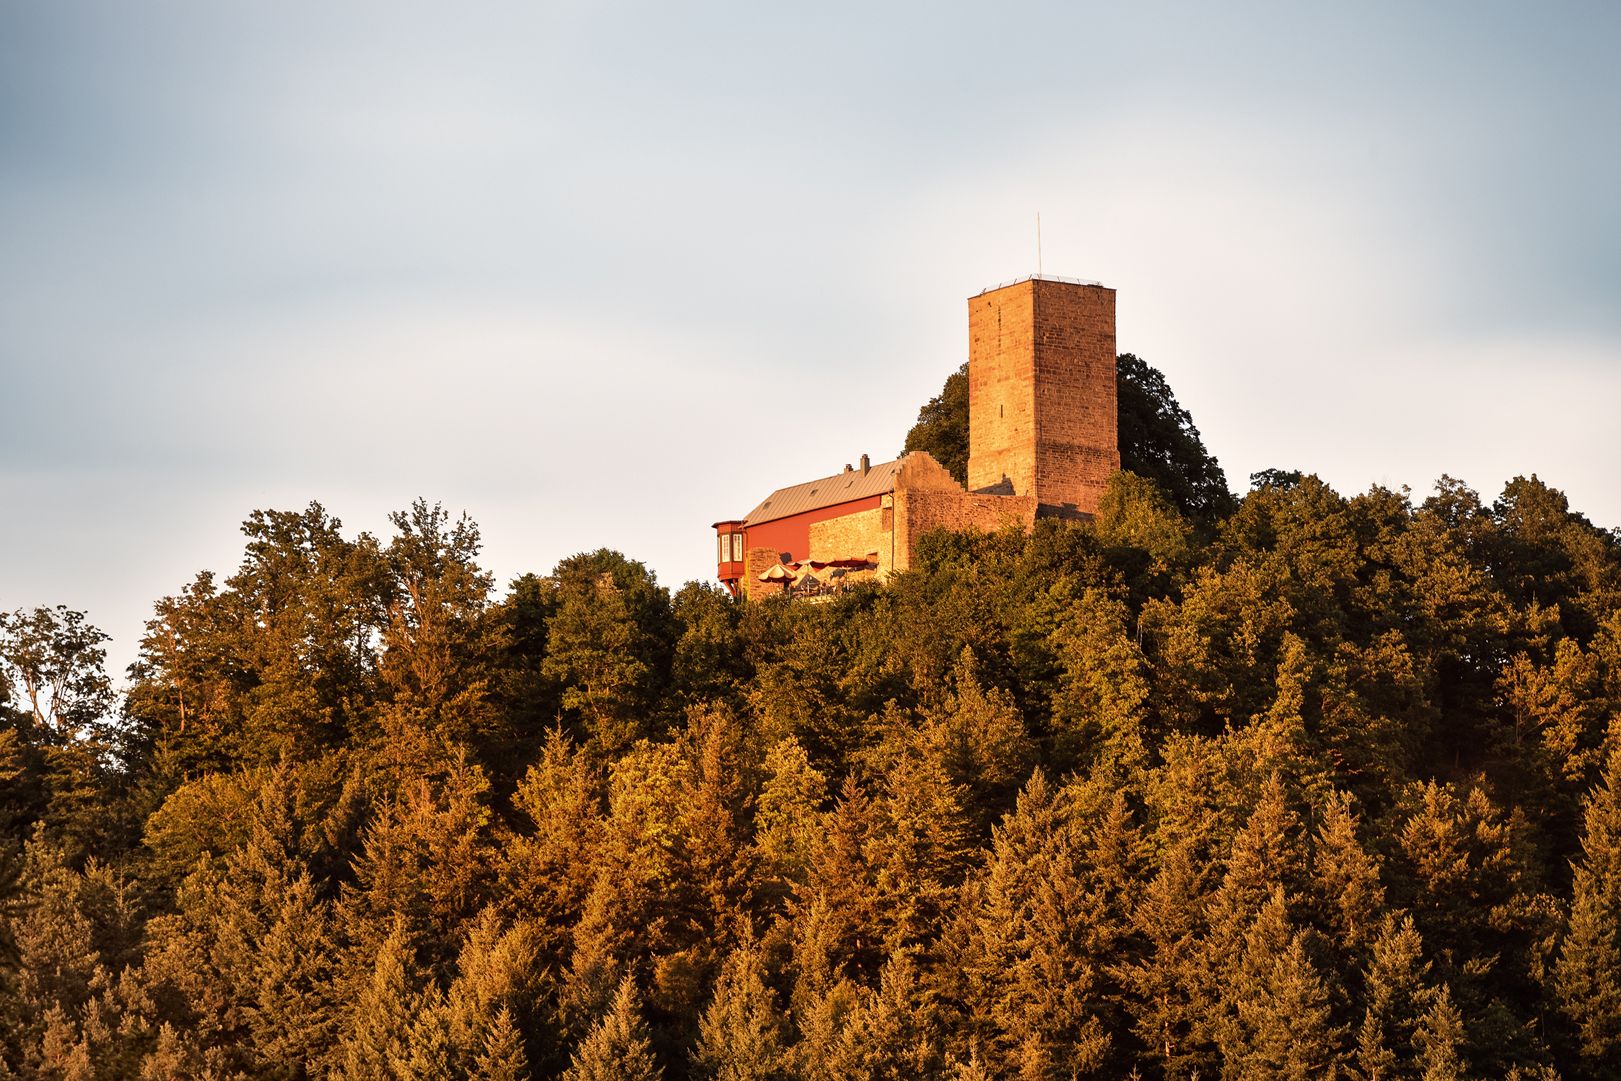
column 1042, row 441
column 1041, row 393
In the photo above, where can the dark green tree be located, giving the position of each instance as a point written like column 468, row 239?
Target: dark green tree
column 710, row 661
column 1158, row 441
column 942, row 426
column 609, row 645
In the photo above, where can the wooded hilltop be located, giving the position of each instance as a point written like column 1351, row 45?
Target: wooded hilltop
column 1298, row 785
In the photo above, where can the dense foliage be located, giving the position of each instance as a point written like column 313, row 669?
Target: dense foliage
column 1158, row 440
column 942, row 426
column 1330, row 788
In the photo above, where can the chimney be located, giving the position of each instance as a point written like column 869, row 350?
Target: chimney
column 866, row 464
column 847, row 467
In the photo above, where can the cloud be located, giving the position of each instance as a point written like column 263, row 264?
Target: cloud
column 602, row 274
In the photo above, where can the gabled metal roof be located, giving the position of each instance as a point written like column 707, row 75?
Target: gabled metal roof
column 826, row 492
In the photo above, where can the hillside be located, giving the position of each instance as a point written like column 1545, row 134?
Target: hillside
column 1299, row 785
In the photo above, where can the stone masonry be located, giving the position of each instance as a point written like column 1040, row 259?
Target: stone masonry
column 860, row 535
column 925, row 497
column 1041, row 393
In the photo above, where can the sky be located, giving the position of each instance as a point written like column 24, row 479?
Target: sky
column 600, row 274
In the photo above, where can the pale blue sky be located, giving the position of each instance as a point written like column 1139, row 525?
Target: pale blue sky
column 600, row 274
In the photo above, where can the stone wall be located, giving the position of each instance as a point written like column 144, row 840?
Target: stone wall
column 855, row 536
column 1077, row 413
column 918, row 512
column 927, row 497
column 1001, row 385
column 758, row 561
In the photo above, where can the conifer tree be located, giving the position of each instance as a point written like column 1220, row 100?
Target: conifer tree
column 1277, row 1007
column 741, row 1033
column 919, row 853
column 64, row 1053
column 1466, row 877
column 428, row 858
column 1396, row 994
column 172, row 1059
column 376, row 1037
column 244, row 965
column 820, row 1023
column 672, row 876
column 608, row 645
column 845, row 883
column 788, row 813
column 618, row 1047
column 1440, row 1040
column 1589, row 966
column 721, row 864
column 596, row 964
column 978, row 735
column 292, row 1015
column 1376, row 714
column 1046, row 924
column 431, row 1055
column 1268, row 860
column 547, row 869
column 894, row 1033
column 55, row 938
column 709, row 662
column 1168, row 996
column 1100, row 704
column 974, row 1069
column 822, row 997
column 1345, row 877
column 497, row 972
column 502, row 1057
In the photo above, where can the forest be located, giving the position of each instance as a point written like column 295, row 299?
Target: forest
column 1294, row 785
